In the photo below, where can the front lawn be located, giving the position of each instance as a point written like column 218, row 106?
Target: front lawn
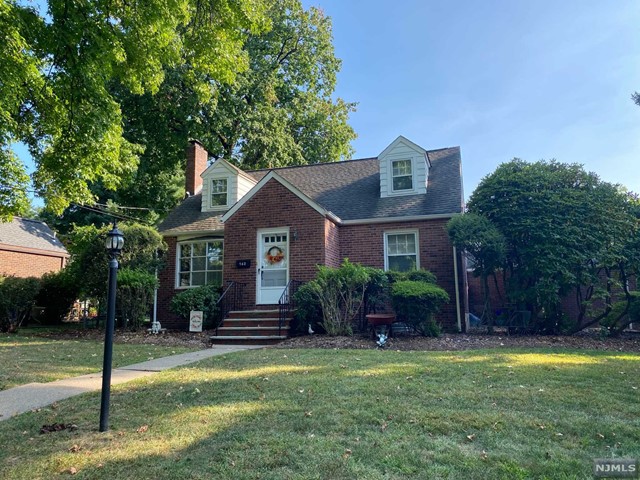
column 345, row 414
column 26, row 358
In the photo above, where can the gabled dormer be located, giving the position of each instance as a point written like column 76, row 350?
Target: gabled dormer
column 404, row 169
column 223, row 185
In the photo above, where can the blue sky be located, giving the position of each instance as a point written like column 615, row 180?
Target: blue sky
column 530, row 79
column 533, row 79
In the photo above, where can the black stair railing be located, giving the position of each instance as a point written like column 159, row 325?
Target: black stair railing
column 286, row 304
column 231, row 299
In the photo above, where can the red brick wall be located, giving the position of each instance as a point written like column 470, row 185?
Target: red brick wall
column 332, row 244
column 196, row 164
column 23, row 264
column 166, row 291
column 365, row 244
column 272, row 207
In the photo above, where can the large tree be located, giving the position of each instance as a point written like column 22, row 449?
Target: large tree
column 57, row 71
column 278, row 112
column 565, row 229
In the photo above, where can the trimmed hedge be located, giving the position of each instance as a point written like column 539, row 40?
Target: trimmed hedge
column 202, row 298
column 415, row 303
column 135, row 296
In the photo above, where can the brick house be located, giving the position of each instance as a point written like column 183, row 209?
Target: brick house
column 29, row 248
column 265, row 228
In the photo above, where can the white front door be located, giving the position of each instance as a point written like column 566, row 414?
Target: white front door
column 273, row 265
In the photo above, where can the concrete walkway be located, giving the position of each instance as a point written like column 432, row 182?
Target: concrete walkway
column 38, row 395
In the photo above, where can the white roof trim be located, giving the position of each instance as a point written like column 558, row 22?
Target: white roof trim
column 273, row 175
column 407, row 142
column 178, row 233
column 413, row 218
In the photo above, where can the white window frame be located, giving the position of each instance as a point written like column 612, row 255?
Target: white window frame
column 387, row 233
column 211, row 192
column 179, row 255
column 413, row 175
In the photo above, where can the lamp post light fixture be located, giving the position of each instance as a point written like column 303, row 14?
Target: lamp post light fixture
column 114, row 244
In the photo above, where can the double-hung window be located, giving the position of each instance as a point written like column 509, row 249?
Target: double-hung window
column 401, row 251
column 402, row 175
column 200, row 263
column 219, row 190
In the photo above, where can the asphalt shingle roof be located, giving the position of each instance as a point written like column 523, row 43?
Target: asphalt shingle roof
column 21, row 232
column 350, row 190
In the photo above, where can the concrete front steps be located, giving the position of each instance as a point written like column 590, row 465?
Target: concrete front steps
column 251, row 327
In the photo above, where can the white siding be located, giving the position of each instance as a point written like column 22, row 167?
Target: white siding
column 402, row 149
column 244, row 185
column 237, row 185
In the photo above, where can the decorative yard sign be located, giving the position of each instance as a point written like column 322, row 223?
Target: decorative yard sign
column 195, row 321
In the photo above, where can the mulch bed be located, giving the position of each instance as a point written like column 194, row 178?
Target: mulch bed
column 628, row 342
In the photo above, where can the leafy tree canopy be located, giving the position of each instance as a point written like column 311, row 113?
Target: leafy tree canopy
column 280, row 111
column 559, row 223
column 57, row 73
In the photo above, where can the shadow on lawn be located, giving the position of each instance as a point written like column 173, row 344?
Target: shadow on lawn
column 353, row 415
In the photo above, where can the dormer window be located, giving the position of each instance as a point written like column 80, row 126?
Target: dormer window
column 402, row 175
column 219, row 192
column 404, row 169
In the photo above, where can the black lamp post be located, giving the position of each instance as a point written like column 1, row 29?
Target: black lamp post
column 114, row 244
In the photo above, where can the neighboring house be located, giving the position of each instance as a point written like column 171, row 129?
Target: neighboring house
column 29, row 248
column 265, row 228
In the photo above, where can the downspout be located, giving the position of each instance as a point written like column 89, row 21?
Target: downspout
column 455, row 277
column 154, row 324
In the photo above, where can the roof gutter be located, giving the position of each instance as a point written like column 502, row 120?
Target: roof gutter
column 412, row 218
column 191, row 233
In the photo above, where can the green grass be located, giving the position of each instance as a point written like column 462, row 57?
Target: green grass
column 25, row 358
column 340, row 414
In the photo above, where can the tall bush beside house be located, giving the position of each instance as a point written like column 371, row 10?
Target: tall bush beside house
column 90, row 261
column 308, row 311
column 17, row 298
column 340, row 292
column 58, row 291
column 416, row 302
column 202, row 298
column 134, row 296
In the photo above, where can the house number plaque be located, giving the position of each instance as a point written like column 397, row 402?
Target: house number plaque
column 243, row 263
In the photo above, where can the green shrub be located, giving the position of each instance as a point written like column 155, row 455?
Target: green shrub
column 308, row 311
column 416, row 302
column 134, row 296
column 421, row 275
column 340, row 292
column 202, row 298
column 58, row 291
column 377, row 291
column 17, row 299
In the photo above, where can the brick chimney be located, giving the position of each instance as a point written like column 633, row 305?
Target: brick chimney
column 197, row 158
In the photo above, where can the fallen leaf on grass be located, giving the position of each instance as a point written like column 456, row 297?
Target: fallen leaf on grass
column 308, row 414
column 143, row 429
column 75, row 448
column 384, row 426
column 471, row 437
column 483, row 455
column 600, row 435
